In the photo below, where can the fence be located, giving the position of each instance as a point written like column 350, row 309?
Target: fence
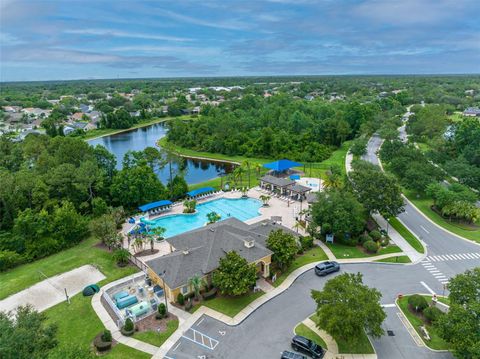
column 113, row 307
column 138, row 263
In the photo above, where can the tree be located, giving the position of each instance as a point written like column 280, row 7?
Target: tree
column 264, row 198
column 121, row 256
column 339, row 211
column 234, row 275
column 105, row 229
column 334, row 177
column 26, row 334
column 284, row 248
column 196, row 282
column 377, row 192
column 247, row 164
column 359, row 147
column 460, row 326
column 135, row 186
column 213, row 217
column 346, row 307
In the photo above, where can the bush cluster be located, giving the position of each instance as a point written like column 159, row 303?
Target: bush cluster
column 162, row 311
column 180, row 299
column 370, row 246
column 417, row 303
column 376, row 235
column 432, row 314
column 306, row 242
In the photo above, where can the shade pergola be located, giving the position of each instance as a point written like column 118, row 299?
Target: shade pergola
column 282, row 165
column 156, row 207
column 200, row 191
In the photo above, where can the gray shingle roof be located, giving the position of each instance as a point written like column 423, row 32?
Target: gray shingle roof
column 198, row 252
column 298, row 188
column 276, row 181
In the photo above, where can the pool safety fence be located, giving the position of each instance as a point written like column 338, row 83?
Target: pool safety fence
column 120, row 320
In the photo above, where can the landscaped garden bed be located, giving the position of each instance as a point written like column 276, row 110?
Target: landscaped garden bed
column 418, row 317
column 155, row 331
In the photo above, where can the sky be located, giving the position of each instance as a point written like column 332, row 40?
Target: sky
column 91, row 39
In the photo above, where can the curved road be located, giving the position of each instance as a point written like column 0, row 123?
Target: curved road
column 267, row 331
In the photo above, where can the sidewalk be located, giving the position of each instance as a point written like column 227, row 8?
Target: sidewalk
column 392, row 232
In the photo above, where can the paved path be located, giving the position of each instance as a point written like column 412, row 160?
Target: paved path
column 51, row 291
column 392, row 232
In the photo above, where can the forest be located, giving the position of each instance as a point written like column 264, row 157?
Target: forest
column 54, row 187
column 281, row 126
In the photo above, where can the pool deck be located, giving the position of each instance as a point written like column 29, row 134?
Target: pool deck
column 277, row 207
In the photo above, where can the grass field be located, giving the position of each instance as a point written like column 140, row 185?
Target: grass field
column 315, row 254
column 156, row 338
column 397, row 259
column 405, row 233
column 317, row 169
column 26, row 275
column 342, row 251
column 423, row 203
column 306, row 332
column 435, row 341
column 359, row 345
column 230, row 306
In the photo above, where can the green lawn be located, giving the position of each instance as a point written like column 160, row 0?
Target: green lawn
column 423, row 204
column 405, row 233
column 397, row 259
column 78, row 324
column 156, row 338
column 230, row 306
column 315, row 254
column 342, row 251
column 26, row 275
column 306, row 332
column 317, row 169
column 360, row 345
column 435, row 341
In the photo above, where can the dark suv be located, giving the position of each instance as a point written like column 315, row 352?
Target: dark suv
column 291, row 355
column 307, row 346
column 325, row 268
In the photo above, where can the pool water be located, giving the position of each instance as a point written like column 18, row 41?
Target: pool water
column 242, row 209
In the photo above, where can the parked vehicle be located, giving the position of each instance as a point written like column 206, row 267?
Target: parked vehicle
column 291, row 355
column 325, row 268
column 307, row 346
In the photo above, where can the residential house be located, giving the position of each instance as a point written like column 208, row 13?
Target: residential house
column 198, row 253
column 196, row 110
column 309, row 98
column 12, row 109
column 85, row 108
column 77, row 116
column 472, row 112
column 68, row 130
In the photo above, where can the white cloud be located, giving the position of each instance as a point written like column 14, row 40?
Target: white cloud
column 227, row 25
column 8, row 40
column 198, row 51
column 125, row 34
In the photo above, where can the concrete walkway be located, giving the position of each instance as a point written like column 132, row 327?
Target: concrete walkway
column 186, row 320
column 392, row 232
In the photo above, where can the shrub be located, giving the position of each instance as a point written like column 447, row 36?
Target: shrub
column 180, row 299
column 128, row 328
column 432, row 314
column 107, row 336
column 364, row 238
column 417, row 302
column 100, row 344
column 385, row 241
column 376, row 235
column 9, row 259
column 306, row 242
column 370, row 246
column 162, row 311
column 210, row 294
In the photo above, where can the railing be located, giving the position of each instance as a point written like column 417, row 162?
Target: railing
column 138, row 263
column 120, row 320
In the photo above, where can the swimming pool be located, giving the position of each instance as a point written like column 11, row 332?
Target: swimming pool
column 242, row 209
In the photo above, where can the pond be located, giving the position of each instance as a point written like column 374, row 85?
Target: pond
column 196, row 171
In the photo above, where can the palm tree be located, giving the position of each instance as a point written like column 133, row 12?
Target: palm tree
column 138, row 243
column 158, row 232
column 247, row 164
column 168, row 151
column 303, row 212
column 196, row 282
column 258, row 168
column 213, row 217
column 121, row 256
column 237, row 174
column 265, row 199
column 332, row 181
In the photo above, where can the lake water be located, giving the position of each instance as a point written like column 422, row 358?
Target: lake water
column 140, row 138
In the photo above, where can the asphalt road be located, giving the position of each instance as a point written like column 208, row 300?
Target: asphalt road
column 267, row 331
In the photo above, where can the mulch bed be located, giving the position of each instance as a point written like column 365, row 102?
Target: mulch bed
column 146, row 252
column 156, row 325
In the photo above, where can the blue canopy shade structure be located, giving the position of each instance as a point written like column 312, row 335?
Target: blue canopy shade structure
column 281, row 165
column 202, row 190
column 149, row 206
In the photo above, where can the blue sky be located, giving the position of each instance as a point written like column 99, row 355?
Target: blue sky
column 73, row 39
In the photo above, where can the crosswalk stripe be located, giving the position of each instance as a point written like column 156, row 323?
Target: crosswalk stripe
column 434, row 271
column 469, row 255
column 456, row 256
column 439, row 275
column 463, row 256
column 476, row 255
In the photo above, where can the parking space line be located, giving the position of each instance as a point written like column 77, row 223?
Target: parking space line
column 201, row 339
column 200, row 322
column 176, row 347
